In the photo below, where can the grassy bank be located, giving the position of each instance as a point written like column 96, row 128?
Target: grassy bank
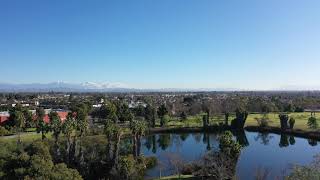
column 301, row 120
column 25, row 137
column 196, row 121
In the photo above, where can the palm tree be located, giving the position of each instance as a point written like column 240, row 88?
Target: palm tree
column 162, row 111
column 114, row 134
column 20, row 123
column 68, row 127
column 138, row 129
column 40, row 124
column 55, row 125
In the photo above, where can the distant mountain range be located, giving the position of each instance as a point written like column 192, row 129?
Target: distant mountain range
column 63, row 87
column 117, row 87
column 90, row 87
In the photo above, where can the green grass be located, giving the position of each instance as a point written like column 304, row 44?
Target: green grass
column 25, row 137
column 196, row 121
column 301, row 120
column 191, row 121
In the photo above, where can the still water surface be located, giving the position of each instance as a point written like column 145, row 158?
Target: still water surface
column 271, row 152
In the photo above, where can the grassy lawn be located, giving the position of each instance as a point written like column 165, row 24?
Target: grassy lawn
column 25, row 137
column 301, row 119
column 191, row 121
column 196, row 121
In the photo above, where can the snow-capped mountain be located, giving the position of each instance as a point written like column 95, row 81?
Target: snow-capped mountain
column 93, row 85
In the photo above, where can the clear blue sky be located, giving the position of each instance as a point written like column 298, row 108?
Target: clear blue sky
column 162, row 43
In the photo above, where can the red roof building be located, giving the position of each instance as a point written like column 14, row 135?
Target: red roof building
column 62, row 114
column 3, row 118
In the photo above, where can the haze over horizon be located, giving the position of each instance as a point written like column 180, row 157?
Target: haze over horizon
column 250, row 45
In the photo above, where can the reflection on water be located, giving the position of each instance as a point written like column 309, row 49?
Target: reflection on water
column 262, row 151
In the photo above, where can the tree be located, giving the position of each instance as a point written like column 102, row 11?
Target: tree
column 240, row 120
column 228, row 145
column 284, row 121
column 150, row 115
column 42, row 127
column 138, row 129
column 29, row 121
column 17, row 119
column 292, row 121
column 68, row 127
column 226, row 118
column 82, row 121
column 139, row 110
column 313, row 123
column 35, row 162
column 205, row 121
column 220, row 164
column 123, row 113
column 55, row 125
column 162, row 111
column 80, row 112
column 113, row 133
column 109, row 111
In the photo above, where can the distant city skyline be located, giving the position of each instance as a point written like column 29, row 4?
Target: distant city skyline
column 249, row 45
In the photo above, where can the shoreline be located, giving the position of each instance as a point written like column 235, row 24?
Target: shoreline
column 315, row 135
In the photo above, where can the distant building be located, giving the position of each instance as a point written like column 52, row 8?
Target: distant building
column 97, row 105
column 133, row 104
column 4, row 116
column 23, row 105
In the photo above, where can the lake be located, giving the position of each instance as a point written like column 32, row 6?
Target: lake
column 271, row 152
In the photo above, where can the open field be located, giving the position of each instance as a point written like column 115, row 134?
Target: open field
column 25, row 137
column 301, row 119
column 196, row 121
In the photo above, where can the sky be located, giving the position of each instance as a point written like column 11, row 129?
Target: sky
column 248, row 44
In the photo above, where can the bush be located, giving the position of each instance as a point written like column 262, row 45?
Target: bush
column 263, row 121
column 292, row 121
column 183, row 116
column 312, row 123
column 3, row 131
column 165, row 120
column 151, row 162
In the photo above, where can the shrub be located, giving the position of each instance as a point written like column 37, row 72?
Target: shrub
column 263, row 121
column 164, row 120
column 183, row 116
column 292, row 121
column 151, row 162
column 3, row 131
column 312, row 123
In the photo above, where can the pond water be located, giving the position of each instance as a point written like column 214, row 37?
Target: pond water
column 271, row 152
